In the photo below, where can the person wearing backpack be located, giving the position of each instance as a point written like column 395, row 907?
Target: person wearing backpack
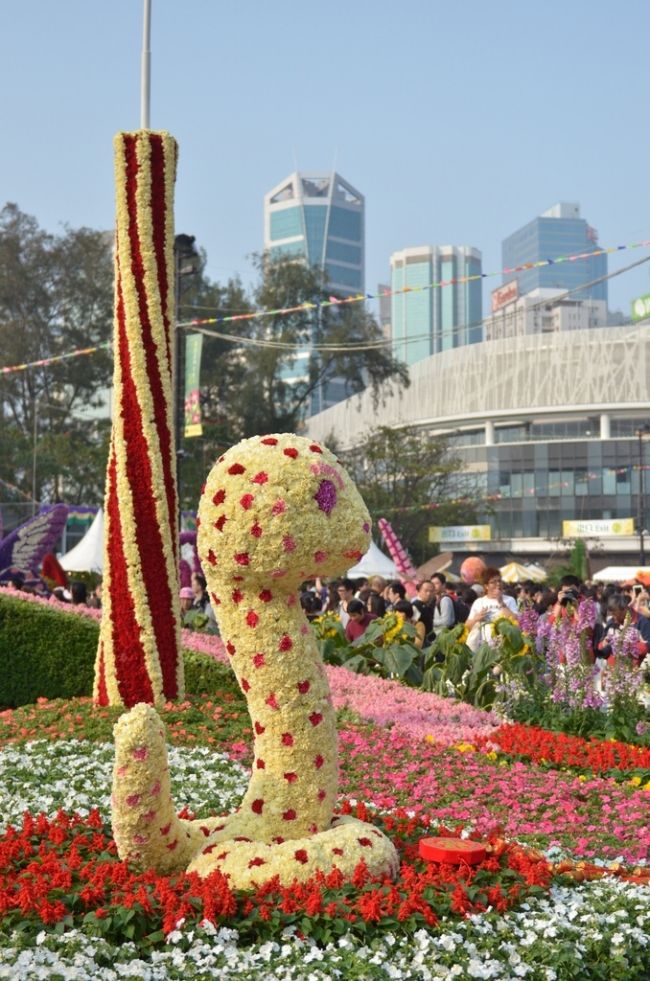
column 444, row 615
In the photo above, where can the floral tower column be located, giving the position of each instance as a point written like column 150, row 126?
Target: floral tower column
column 138, row 658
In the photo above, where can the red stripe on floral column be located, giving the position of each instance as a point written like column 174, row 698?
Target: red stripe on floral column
column 159, row 167
column 148, row 531
column 131, row 676
column 138, row 656
column 156, row 366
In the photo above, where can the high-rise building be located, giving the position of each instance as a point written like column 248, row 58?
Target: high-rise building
column 318, row 218
column 558, row 232
column 428, row 319
column 321, row 218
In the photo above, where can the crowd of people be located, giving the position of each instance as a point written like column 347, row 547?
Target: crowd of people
column 433, row 605
column 438, row 605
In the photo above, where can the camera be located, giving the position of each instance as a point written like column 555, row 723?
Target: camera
column 571, row 595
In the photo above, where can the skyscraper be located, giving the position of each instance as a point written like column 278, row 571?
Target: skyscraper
column 321, row 218
column 558, row 232
column 428, row 320
column 318, row 218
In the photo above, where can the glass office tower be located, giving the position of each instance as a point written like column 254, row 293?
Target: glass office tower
column 318, row 218
column 558, row 232
column 428, row 320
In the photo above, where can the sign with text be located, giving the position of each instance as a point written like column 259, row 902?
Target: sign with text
column 460, row 533
column 597, row 529
column 192, row 414
column 504, row 295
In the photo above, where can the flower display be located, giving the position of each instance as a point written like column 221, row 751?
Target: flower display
column 275, row 511
column 138, row 657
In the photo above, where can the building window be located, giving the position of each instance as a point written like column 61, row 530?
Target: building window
column 285, row 223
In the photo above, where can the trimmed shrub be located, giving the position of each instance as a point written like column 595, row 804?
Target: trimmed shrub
column 204, row 675
column 45, row 652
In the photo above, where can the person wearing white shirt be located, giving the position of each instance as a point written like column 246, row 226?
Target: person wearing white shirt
column 487, row 608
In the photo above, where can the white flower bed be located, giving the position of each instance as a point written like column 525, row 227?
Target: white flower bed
column 76, row 776
column 597, row 931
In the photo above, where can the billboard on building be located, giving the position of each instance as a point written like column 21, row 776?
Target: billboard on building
column 597, row 528
column 504, row 295
column 460, row 533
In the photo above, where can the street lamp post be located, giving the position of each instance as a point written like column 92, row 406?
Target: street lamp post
column 185, row 264
column 642, row 434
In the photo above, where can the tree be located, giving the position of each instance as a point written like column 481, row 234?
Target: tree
column 412, row 479
column 250, row 386
column 280, row 386
column 56, row 296
column 222, row 373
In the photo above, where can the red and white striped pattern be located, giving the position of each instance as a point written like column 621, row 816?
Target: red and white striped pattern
column 138, row 659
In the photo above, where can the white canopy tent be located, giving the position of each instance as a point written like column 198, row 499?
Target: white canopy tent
column 620, row 573
column 374, row 563
column 88, row 554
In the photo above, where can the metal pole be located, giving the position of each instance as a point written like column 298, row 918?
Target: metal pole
column 145, row 67
column 35, row 503
column 641, row 501
column 179, row 361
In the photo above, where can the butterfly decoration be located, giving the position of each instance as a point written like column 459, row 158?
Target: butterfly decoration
column 23, row 549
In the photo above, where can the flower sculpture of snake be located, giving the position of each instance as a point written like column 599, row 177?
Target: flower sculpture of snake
column 276, row 510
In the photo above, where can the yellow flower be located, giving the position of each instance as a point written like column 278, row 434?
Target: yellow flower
column 491, row 755
column 646, row 786
column 465, row 748
column 636, row 782
column 394, row 632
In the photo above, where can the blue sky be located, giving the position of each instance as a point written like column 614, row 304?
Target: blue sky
column 459, row 121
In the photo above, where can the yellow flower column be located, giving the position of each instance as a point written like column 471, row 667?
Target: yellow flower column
column 138, row 658
column 276, row 510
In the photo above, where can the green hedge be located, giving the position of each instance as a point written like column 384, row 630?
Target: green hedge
column 46, row 652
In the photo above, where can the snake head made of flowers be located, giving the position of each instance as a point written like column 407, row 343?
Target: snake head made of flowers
column 280, row 507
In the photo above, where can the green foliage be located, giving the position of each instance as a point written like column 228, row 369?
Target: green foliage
column 451, row 669
column 56, row 295
column 387, row 648
column 576, row 565
column 45, row 652
column 203, row 675
column 402, row 473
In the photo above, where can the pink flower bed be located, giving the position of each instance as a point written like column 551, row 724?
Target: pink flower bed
column 595, row 818
column 417, row 713
column 421, row 715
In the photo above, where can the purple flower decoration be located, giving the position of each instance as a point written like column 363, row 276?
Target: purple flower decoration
column 325, row 496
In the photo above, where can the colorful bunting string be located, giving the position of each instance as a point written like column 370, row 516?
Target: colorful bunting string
column 361, row 297
column 335, row 301
column 47, row 361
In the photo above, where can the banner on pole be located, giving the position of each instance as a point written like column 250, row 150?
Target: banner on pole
column 193, row 351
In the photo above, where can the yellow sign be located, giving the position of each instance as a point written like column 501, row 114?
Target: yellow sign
column 460, row 533
column 597, row 529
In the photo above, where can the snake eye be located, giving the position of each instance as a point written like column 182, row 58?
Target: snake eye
column 325, row 496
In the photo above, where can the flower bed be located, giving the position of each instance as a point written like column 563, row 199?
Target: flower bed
column 57, row 754
column 605, row 757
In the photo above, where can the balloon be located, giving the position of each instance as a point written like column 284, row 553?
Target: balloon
column 472, row 569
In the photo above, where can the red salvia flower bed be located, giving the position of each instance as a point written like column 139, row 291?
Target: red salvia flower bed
column 540, row 745
column 64, row 872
